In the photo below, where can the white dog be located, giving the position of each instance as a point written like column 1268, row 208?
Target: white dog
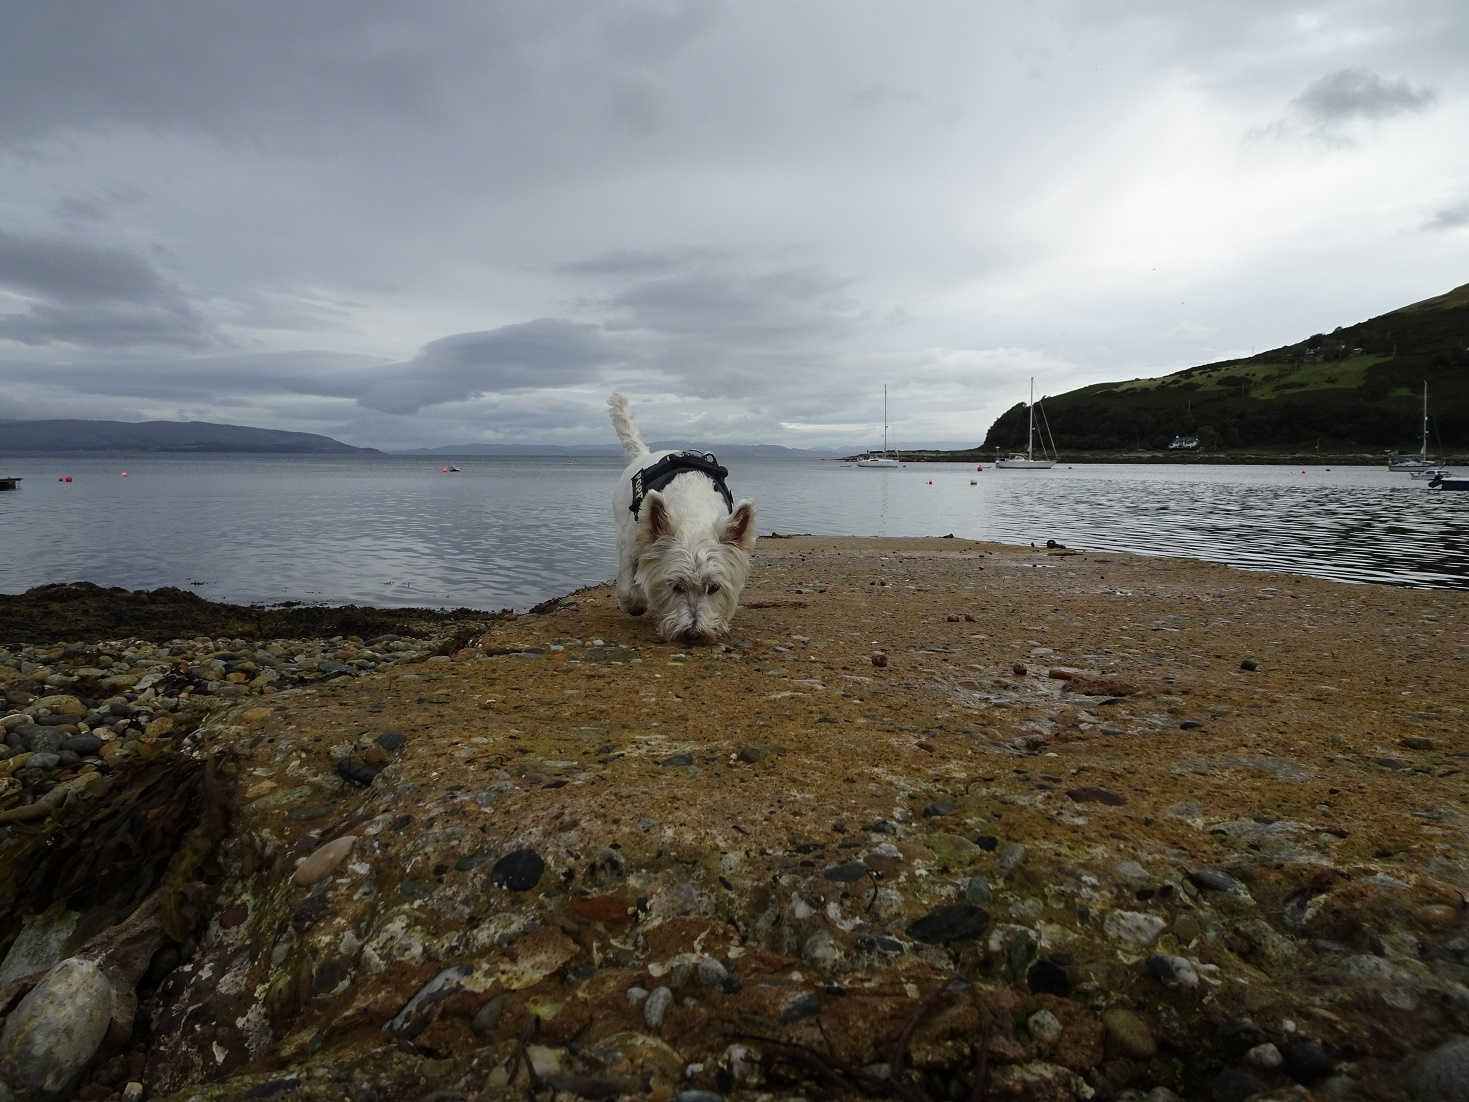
column 683, row 546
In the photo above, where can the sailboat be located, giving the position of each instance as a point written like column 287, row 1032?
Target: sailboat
column 1421, row 461
column 1028, row 461
column 882, row 461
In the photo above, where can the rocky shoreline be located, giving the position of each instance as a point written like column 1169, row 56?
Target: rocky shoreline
column 941, row 820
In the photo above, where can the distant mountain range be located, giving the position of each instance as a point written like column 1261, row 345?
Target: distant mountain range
column 1357, row 389
column 32, row 437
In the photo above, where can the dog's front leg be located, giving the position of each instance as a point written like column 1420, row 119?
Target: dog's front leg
column 631, row 597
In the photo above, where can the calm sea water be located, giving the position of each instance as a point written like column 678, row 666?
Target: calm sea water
column 396, row 531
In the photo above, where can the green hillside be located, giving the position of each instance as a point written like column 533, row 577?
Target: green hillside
column 1356, row 389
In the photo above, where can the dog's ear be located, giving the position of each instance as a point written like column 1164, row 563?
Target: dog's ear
column 653, row 520
column 739, row 529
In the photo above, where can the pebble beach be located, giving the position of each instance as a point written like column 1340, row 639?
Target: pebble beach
column 938, row 820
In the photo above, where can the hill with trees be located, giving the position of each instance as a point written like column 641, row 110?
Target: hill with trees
column 1358, row 389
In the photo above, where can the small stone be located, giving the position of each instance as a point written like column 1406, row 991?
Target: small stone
column 711, row 973
column 950, row 922
column 1173, row 971
column 939, row 807
column 802, row 1006
column 83, row 744
column 976, row 890
column 323, row 860
column 1264, row 1056
column 1129, row 1033
column 1250, row 665
column 1096, row 794
column 678, row 759
column 848, row 873
column 820, row 950
column 356, row 772
column 518, row 871
column 1044, row 1026
column 488, row 1016
column 1215, row 881
column 1415, row 743
column 879, row 658
column 656, row 1006
column 1133, row 927
column 392, row 740
column 1307, row 1061
column 1019, row 669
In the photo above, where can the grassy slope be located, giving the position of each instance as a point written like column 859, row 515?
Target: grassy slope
column 1358, row 389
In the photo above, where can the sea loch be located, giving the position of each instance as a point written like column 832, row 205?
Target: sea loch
column 398, row 531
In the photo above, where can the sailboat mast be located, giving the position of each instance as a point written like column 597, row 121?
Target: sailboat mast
column 1030, row 431
column 885, row 418
column 1423, row 450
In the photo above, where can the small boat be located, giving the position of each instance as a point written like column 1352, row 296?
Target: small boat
column 1421, row 461
column 9, row 483
column 1429, row 473
column 1446, row 481
column 882, row 461
column 1028, row 461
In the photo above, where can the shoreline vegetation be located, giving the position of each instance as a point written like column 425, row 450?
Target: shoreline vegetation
column 938, row 819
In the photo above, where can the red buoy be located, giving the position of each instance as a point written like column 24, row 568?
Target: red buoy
column 443, row 470
column 980, row 467
column 124, row 474
column 68, row 478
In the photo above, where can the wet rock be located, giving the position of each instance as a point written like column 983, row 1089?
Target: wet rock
column 879, row 658
column 711, row 973
column 678, row 759
column 51, row 1036
column 950, row 922
column 820, row 950
column 83, row 744
column 1443, row 1074
column 518, row 871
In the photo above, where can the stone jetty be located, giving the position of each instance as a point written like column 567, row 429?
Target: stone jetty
column 938, row 820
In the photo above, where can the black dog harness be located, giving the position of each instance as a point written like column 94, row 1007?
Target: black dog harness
column 661, row 473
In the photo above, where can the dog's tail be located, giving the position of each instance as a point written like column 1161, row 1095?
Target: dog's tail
column 627, row 432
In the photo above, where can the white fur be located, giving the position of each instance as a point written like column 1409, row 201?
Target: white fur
column 685, row 556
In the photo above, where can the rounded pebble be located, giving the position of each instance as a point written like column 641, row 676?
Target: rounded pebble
column 1044, row 1026
column 1443, row 1074
column 656, row 1006
column 324, row 860
column 55, row 1030
column 1129, row 1032
column 518, row 871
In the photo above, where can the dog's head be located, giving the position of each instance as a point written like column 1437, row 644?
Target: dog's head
column 693, row 574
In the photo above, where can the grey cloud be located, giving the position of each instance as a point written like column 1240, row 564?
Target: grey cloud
column 1449, row 218
column 1357, row 94
column 639, row 102
column 789, row 302
column 639, row 262
column 97, row 295
column 547, row 352
column 106, row 326
column 73, row 270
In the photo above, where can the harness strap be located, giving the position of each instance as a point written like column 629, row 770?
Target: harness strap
column 661, row 473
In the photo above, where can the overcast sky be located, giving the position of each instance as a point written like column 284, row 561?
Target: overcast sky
column 433, row 223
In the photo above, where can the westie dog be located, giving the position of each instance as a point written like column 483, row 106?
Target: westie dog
column 683, row 546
